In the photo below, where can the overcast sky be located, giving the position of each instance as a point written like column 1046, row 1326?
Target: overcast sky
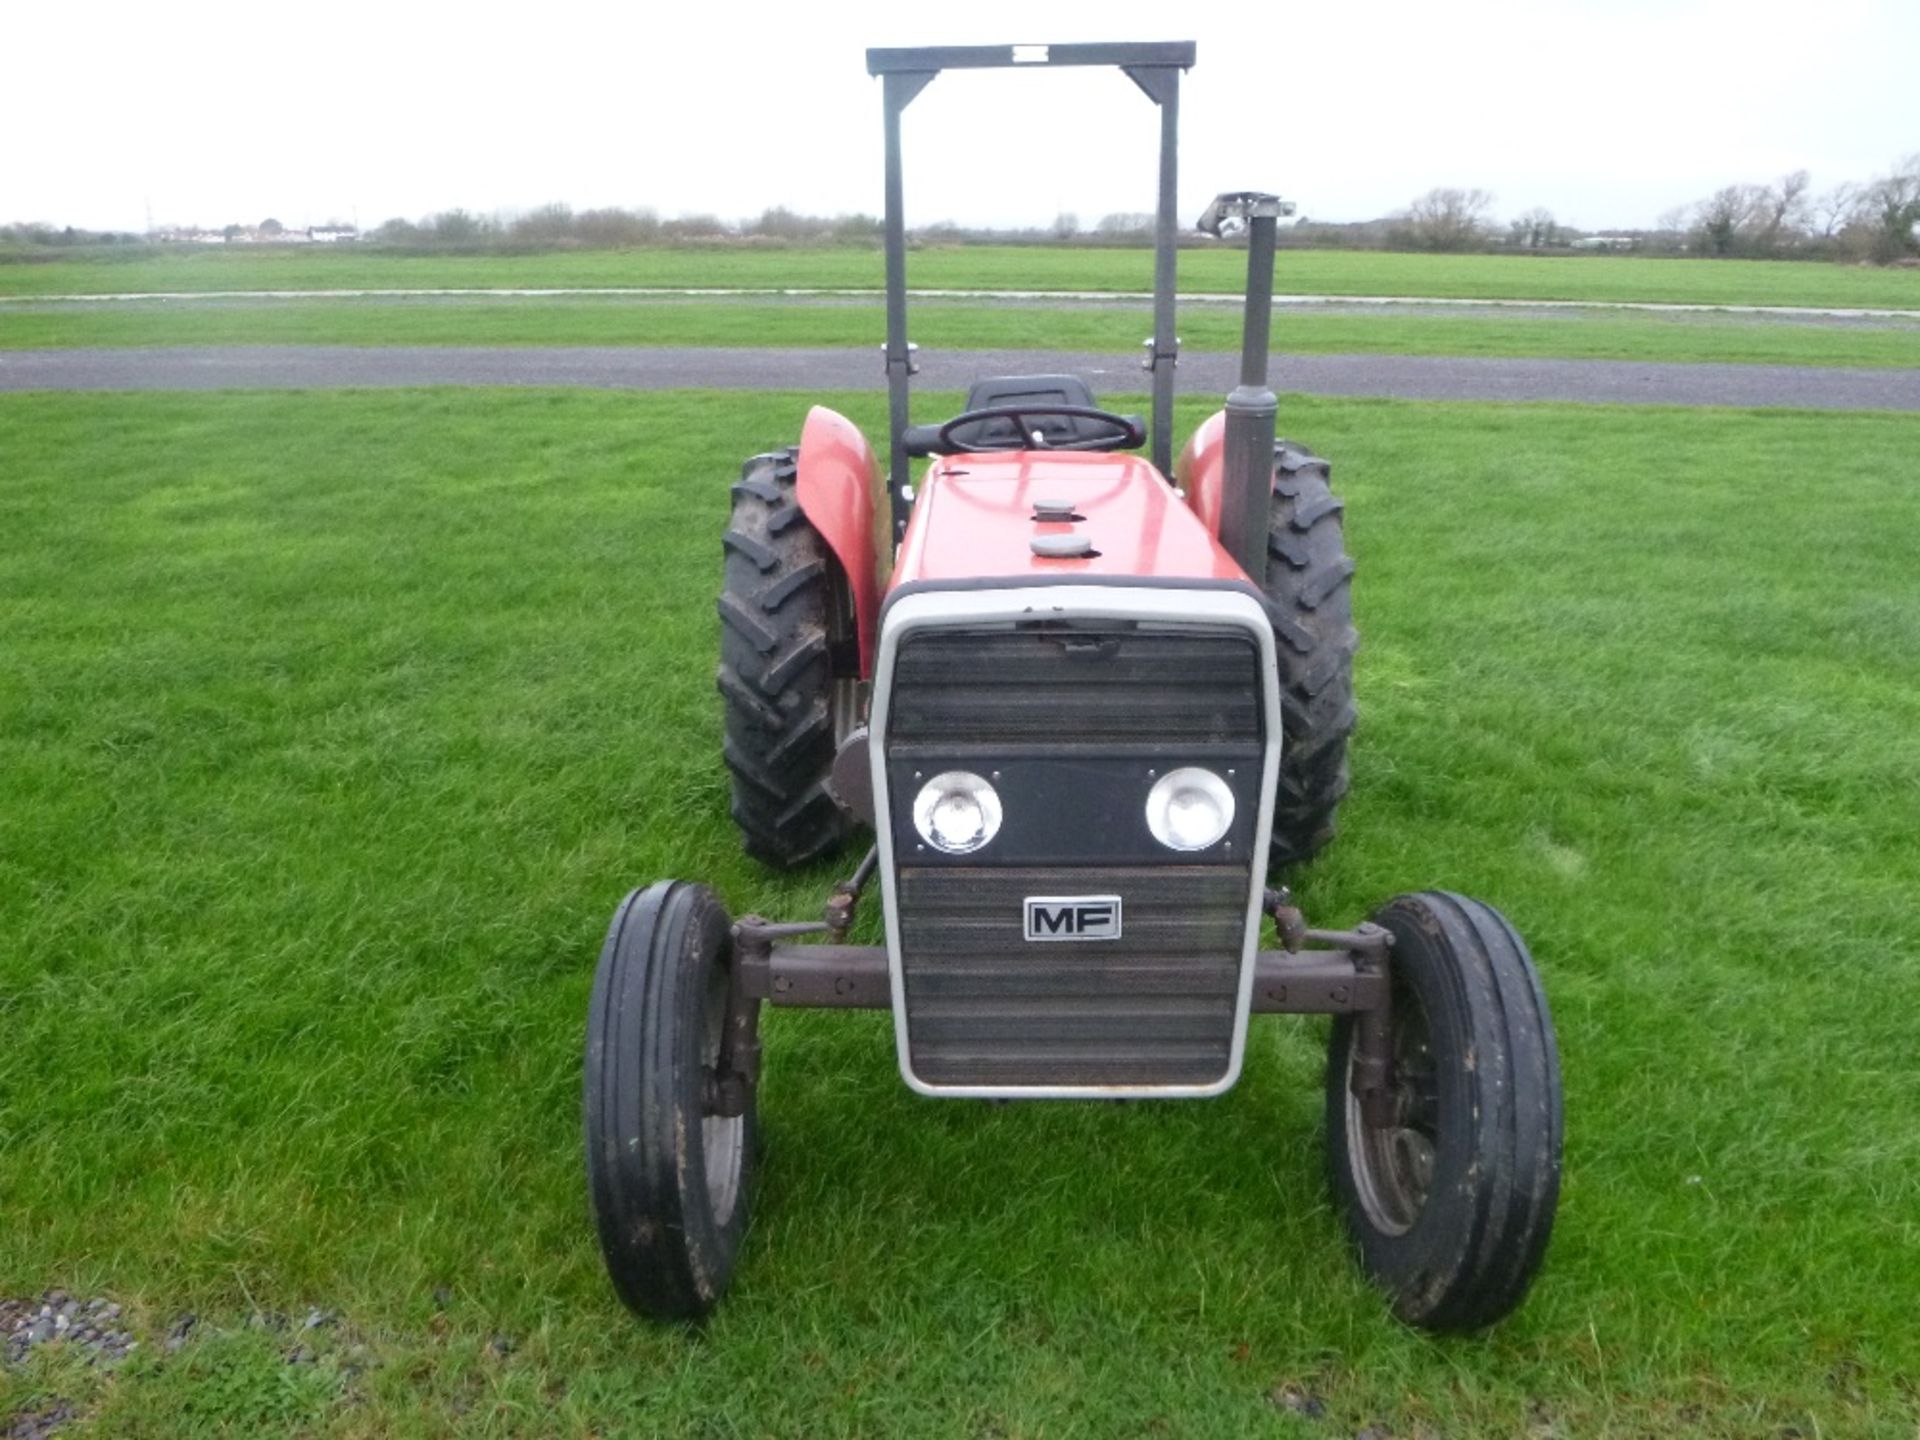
column 1606, row 111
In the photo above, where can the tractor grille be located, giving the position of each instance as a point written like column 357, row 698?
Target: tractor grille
column 1155, row 1007
column 1090, row 686
column 984, row 1006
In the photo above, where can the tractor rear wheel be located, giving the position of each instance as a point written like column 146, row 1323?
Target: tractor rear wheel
column 1450, row 1199
column 1308, row 571
column 786, row 634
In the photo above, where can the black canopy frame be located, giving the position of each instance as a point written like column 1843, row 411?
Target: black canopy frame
column 1156, row 68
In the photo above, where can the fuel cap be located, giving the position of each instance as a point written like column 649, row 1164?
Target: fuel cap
column 1062, row 547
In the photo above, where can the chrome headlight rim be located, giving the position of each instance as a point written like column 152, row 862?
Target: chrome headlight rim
column 941, row 814
column 1190, row 809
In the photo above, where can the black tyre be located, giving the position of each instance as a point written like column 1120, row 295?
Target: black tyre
column 785, row 629
column 1451, row 1205
column 1308, row 574
column 669, row 1178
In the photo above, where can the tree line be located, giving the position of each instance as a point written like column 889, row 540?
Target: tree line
column 559, row 227
column 1870, row 220
column 1875, row 220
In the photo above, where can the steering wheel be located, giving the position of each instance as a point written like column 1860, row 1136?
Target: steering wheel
column 1127, row 431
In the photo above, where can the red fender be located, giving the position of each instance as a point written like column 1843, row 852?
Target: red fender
column 1201, row 469
column 837, row 489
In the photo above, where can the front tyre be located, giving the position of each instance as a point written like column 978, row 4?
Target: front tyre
column 668, row 1173
column 1451, row 1204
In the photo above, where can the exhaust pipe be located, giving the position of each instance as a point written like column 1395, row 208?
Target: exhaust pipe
column 1247, row 484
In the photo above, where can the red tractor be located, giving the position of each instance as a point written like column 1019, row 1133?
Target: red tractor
column 1086, row 703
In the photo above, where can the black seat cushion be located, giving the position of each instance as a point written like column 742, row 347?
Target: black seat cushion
column 1031, row 390
column 1038, row 391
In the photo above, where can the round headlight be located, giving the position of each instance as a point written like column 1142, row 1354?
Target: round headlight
column 956, row 812
column 1189, row 809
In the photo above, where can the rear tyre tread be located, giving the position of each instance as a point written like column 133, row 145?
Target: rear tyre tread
column 801, row 736
column 775, row 676
column 744, row 768
column 755, row 633
column 760, row 487
column 781, row 675
column 790, row 584
column 742, row 700
column 1308, row 585
column 762, row 555
column 1313, row 505
column 1324, row 582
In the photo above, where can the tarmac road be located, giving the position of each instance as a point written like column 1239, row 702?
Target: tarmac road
column 274, row 367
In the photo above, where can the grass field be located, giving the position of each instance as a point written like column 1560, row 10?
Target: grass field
column 1605, row 335
column 1309, row 272
column 333, row 725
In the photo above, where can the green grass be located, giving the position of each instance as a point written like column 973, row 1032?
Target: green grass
column 1313, row 272
column 333, row 725
column 1604, row 335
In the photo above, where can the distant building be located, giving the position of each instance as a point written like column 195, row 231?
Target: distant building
column 1604, row 242
column 254, row 235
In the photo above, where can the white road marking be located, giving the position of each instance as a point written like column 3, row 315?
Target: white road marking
column 856, row 293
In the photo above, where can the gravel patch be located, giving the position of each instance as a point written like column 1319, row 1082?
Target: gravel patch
column 36, row 1424
column 311, row 1339
column 57, row 1318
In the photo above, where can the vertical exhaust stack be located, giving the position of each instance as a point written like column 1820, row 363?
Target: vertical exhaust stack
column 1252, row 408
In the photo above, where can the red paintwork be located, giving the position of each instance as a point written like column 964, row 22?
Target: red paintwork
column 837, row 482
column 1202, row 468
column 973, row 517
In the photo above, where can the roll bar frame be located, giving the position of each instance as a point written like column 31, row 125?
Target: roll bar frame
column 1156, row 68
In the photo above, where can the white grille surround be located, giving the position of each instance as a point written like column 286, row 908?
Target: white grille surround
column 1225, row 607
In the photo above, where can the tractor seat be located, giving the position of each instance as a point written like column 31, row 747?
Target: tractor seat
column 1039, row 391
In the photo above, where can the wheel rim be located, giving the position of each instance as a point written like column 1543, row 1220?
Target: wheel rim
column 723, row 1138
column 1393, row 1165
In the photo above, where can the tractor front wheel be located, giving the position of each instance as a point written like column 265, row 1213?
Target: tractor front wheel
column 670, row 1127
column 1451, row 1198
